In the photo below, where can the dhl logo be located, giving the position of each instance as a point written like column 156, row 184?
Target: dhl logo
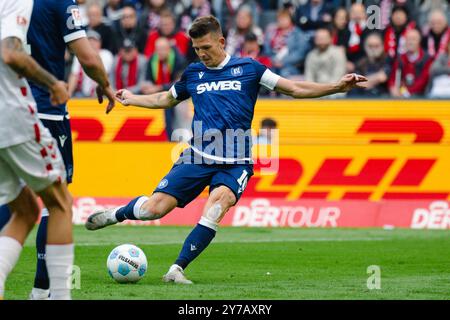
column 143, row 129
column 130, row 130
column 373, row 179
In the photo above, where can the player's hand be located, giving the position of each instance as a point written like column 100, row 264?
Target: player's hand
column 59, row 93
column 351, row 81
column 124, row 96
column 109, row 94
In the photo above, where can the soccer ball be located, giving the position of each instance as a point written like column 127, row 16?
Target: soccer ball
column 127, row 263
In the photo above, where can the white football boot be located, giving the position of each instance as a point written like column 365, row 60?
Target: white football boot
column 39, row 294
column 176, row 275
column 101, row 219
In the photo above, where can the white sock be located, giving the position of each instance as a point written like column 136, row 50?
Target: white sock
column 10, row 250
column 137, row 211
column 59, row 260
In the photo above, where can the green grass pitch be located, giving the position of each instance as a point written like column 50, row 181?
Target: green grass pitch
column 257, row 263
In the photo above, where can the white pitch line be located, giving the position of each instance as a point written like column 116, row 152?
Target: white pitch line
column 88, row 244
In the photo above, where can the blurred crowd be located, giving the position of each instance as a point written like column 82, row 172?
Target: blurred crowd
column 401, row 46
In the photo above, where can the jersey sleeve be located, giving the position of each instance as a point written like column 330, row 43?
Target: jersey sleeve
column 69, row 19
column 266, row 77
column 16, row 20
column 179, row 89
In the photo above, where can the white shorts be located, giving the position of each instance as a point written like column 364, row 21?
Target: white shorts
column 36, row 163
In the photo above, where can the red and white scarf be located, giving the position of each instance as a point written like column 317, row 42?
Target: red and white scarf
column 390, row 40
column 132, row 74
column 356, row 30
column 442, row 44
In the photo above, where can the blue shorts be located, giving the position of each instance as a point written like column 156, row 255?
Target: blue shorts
column 61, row 131
column 186, row 181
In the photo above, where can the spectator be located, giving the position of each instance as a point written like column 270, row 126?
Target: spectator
column 410, row 73
column 374, row 67
column 358, row 32
column 436, row 38
column 83, row 12
column 168, row 30
column 163, row 68
column 227, row 10
column 267, row 132
column 394, row 35
column 198, row 8
column 94, row 13
column 151, row 16
column 112, row 11
column 252, row 49
column 314, row 15
column 129, row 68
column 243, row 26
column 440, row 76
column 128, row 28
column 340, row 31
column 286, row 45
column 80, row 85
column 325, row 63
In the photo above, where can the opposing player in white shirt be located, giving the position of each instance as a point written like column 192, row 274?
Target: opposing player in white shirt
column 30, row 161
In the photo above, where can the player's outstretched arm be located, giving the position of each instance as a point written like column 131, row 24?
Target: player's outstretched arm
column 307, row 89
column 159, row 100
column 25, row 66
column 93, row 66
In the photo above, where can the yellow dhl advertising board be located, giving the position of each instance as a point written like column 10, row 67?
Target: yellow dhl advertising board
column 366, row 150
column 300, row 121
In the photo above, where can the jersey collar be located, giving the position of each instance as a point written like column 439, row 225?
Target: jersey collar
column 222, row 64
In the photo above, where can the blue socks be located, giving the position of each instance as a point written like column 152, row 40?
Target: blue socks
column 5, row 215
column 195, row 243
column 127, row 212
column 41, row 280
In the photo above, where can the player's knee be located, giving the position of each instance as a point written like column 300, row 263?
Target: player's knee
column 57, row 198
column 225, row 197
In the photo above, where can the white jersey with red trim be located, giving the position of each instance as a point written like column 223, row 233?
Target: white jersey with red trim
column 17, row 107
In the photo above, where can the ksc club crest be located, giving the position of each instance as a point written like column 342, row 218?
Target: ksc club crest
column 236, row 71
column 163, row 184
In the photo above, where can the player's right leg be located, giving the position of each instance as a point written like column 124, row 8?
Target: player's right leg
column 140, row 208
column 60, row 130
column 183, row 183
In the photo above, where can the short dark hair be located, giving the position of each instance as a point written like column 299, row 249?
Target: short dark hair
column 268, row 123
column 204, row 25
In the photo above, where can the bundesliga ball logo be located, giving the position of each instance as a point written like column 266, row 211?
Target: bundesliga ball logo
column 127, row 263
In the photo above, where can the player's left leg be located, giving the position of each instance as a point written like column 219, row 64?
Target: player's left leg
column 220, row 200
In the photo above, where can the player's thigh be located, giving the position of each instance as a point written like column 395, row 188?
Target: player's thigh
column 185, row 182
column 25, row 205
column 62, row 133
column 37, row 162
column 57, row 196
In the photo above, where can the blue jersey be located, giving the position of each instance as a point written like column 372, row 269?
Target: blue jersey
column 53, row 24
column 224, row 99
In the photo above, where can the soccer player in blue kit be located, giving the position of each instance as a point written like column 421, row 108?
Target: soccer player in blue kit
column 54, row 25
column 224, row 90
